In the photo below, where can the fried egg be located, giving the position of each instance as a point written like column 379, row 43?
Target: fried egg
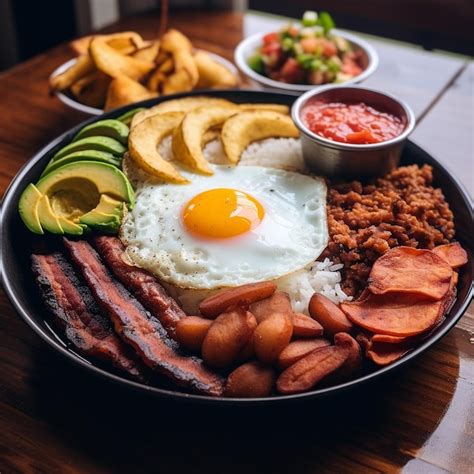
column 241, row 225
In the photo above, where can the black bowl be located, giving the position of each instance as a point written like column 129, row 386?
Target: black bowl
column 18, row 244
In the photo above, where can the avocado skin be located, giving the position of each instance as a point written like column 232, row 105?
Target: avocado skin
column 106, row 144
column 105, row 128
column 127, row 117
column 28, row 209
column 85, row 155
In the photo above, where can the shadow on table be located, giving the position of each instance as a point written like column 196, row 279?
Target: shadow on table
column 123, row 431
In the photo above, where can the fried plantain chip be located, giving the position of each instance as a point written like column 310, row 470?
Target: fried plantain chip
column 143, row 144
column 83, row 66
column 246, row 127
column 210, row 135
column 149, row 52
column 91, row 90
column 156, row 80
column 211, row 73
column 174, row 41
column 395, row 314
column 185, row 75
column 167, row 66
column 188, row 136
column 116, row 64
column 126, row 42
column 186, row 104
column 123, row 91
column 281, row 109
column 385, row 338
column 452, row 253
column 409, row 270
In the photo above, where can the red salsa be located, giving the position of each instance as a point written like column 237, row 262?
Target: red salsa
column 351, row 123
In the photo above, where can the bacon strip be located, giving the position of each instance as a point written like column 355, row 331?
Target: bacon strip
column 140, row 283
column 77, row 314
column 139, row 328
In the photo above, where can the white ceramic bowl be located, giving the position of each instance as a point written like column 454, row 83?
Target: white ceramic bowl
column 248, row 46
column 70, row 101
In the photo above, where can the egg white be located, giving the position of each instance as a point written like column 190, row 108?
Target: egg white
column 292, row 234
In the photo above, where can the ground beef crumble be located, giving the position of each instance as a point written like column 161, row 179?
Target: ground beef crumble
column 366, row 220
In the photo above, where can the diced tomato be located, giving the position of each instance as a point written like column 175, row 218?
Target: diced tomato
column 329, row 48
column 293, row 31
column 270, row 38
column 291, row 71
column 349, row 66
column 309, row 45
column 274, row 55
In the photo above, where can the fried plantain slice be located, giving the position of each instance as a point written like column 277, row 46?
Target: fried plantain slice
column 143, row 144
column 188, row 136
column 246, row 127
column 123, row 91
column 185, row 104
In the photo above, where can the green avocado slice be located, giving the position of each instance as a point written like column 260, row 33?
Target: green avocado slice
column 28, row 208
column 49, row 220
column 75, row 186
column 87, row 155
column 108, row 213
column 127, row 117
column 106, row 144
column 105, row 128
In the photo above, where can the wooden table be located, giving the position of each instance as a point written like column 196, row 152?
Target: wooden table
column 56, row 418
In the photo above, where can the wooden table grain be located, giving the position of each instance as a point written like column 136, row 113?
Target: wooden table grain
column 55, row 418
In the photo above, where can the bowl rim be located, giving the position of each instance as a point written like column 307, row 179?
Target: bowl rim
column 74, row 104
column 52, row 340
column 303, row 99
column 253, row 41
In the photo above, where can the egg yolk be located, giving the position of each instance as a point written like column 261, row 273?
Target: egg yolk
column 222, row 213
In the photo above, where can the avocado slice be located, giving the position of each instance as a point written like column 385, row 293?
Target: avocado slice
column 70, row 227
column 49, row 220
column 127, row 117
column 108, row 213
column 75, row 188
column 28, row 208
column 107, row 144
column 105, row 128
column 87, row 155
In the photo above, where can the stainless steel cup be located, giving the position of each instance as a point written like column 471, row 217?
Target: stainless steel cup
column 331, row 158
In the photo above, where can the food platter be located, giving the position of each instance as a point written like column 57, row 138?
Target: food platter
column 18, row 244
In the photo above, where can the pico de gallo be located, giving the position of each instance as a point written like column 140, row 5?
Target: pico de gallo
column 307, row 54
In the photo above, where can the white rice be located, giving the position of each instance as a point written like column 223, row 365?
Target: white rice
column 284, row 153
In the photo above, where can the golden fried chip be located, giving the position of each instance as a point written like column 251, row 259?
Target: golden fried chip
column 92, row 89
column 116, row 64
column 410, row 270
column 83, row 66
column 246, row 127
column 143, row 144
column 186, row 104
column 188, row 136
column 156, row 80
column 123, row 91
column 126, row 42
column 166, row 66
column 173, row 41
column 149, row 52
column 212, row 73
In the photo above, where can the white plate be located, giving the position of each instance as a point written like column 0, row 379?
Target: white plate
column 69, row 100
column 248, row 46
